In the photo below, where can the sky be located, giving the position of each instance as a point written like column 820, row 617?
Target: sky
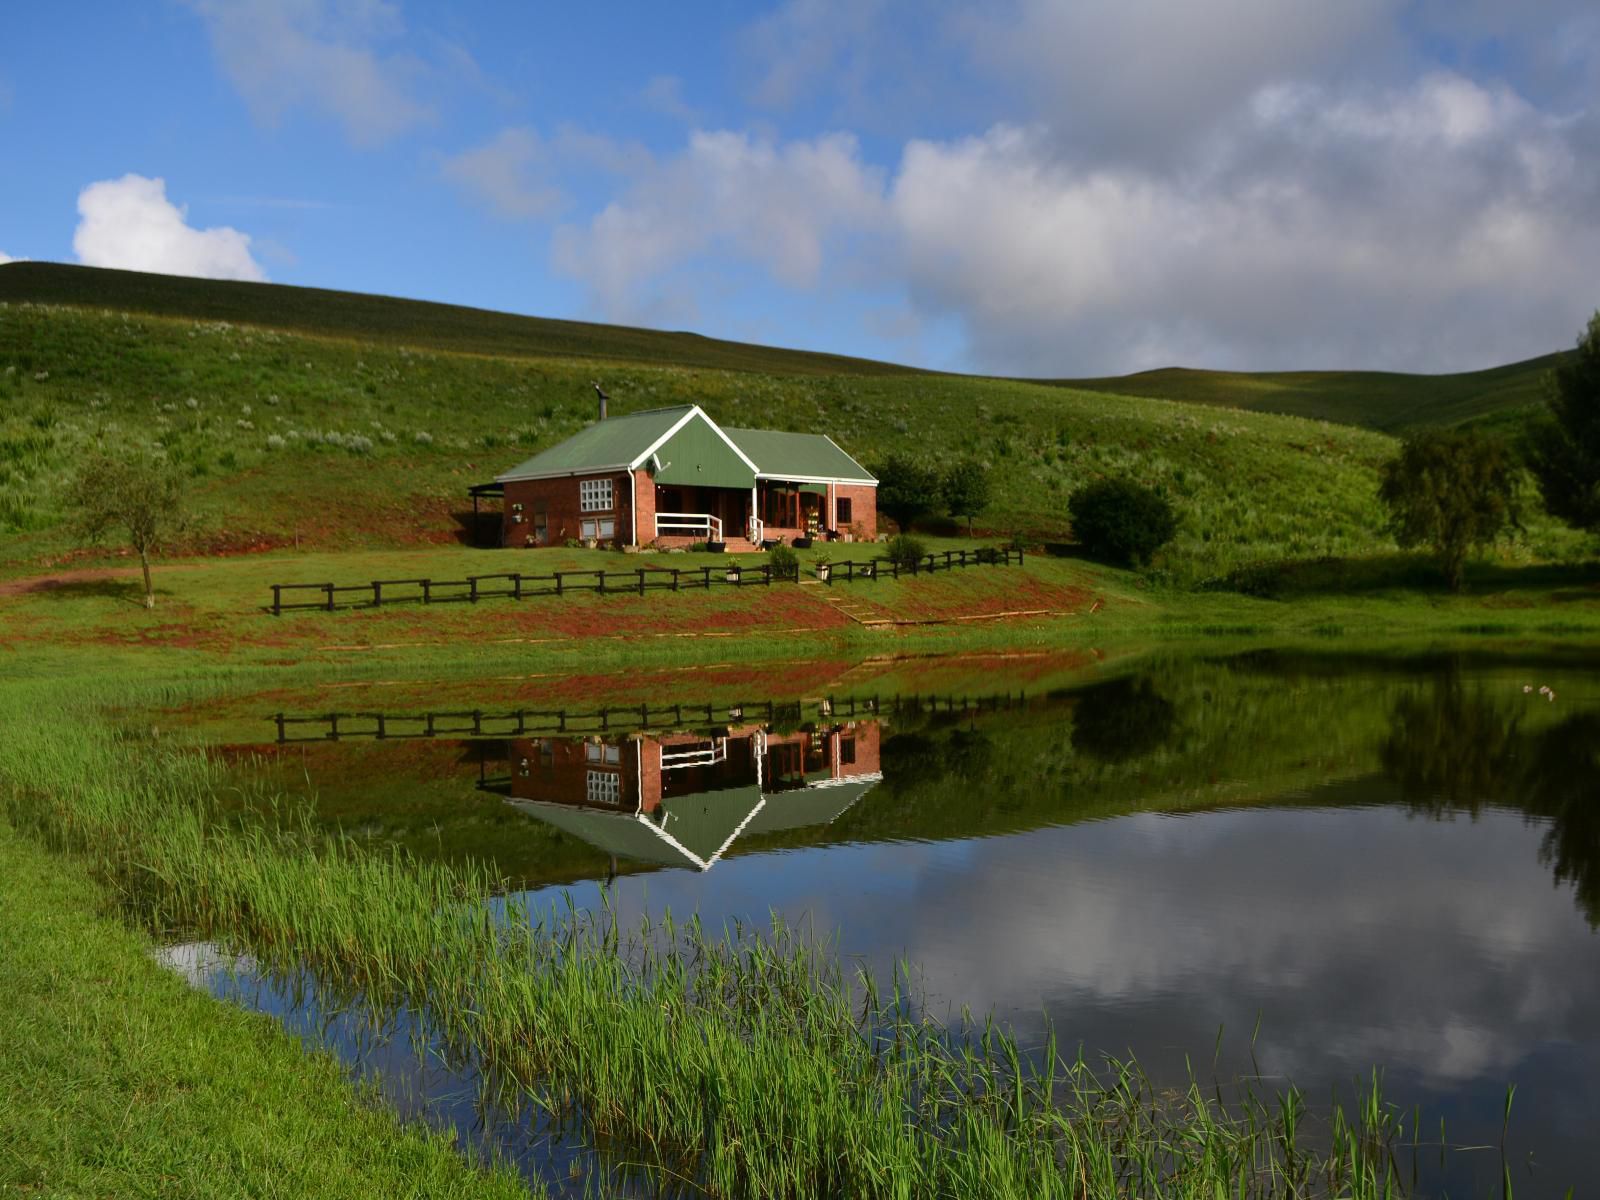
column 1021, row 187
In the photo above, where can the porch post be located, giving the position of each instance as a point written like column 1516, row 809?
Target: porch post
column 755, row 513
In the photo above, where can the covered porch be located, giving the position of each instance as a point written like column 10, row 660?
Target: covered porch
column 770, row 511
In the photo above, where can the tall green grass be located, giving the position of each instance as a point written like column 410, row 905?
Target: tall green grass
column 747, row 1063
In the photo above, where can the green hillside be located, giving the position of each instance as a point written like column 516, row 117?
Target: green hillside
column 1384, row 400
column 419, row 324
column 365, row 434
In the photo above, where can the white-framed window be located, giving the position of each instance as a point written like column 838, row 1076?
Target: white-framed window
column 604, row 787
column 594, row 495
column 606, row 752
column 598, row 528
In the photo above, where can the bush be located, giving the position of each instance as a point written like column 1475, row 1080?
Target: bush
column 785, row 563
column 907, row 488
column 1121, row 521
column 906, row 551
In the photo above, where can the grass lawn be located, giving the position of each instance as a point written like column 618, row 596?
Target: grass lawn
column 121, row 1080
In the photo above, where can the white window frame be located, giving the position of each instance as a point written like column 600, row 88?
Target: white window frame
column 597, row 528
column 604, row 787
column 596, row 495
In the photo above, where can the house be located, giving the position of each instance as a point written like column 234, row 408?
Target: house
column 684, row 799
column 673, row 476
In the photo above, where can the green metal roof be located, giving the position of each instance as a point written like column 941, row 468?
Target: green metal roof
column 699, row 456
column 611, row 444
column 695, row 455
column 804, row 456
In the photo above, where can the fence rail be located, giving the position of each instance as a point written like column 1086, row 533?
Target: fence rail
column 517, row 585
column 626, row 719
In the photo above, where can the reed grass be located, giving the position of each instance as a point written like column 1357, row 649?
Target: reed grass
column 747, row 1063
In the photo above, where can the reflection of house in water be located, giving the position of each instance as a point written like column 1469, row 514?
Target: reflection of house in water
column 683, row 799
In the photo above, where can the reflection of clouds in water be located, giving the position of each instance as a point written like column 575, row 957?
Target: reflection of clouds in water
column 1358, row 936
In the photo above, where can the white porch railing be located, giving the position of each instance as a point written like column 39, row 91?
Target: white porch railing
column 702, row 525
column 704, row 755
column 757, row 530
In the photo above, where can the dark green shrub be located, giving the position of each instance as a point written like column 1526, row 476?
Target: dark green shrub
column 1121, row 521
column 905, row 551
column 785, row 563
column 907, row 488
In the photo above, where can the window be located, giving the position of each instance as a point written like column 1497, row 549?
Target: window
column 597, row 529
column 847, row 751
column 604, row 787
column 541, row 525
column 841, row 510
column 594, row 495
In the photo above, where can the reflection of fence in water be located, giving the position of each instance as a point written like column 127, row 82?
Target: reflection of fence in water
column 478, row 723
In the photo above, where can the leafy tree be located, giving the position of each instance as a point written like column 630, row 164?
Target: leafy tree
column 1452, row 490
column 907, row 488
column 136, row 495
column 1122, row 521
column 966, row 489
column 1564, row 450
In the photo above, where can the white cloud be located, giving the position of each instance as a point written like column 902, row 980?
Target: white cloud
column 285, row 54
column 6, row 258
column 780, row 206
column 505, row 173
column 1438, row 227
column 129, row 223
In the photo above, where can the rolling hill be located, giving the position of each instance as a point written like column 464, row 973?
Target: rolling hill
column 1384, row 400
column 334, row 420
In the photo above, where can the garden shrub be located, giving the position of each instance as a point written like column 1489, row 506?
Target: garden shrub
column 785, row 563
column 1121, row 521
column 905, row 551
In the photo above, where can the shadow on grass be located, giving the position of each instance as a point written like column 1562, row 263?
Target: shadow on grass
column 1561, row 582
column 124, row 591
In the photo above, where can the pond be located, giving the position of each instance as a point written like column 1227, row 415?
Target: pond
column 1282, row 866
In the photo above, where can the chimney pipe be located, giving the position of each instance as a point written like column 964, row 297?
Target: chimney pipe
column 603, row 398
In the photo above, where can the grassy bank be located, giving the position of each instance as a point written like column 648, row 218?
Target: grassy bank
column 752, row 1065
column 121, row 1080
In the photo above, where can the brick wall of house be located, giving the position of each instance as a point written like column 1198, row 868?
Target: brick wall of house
column 646, row 488
column 557, row 770
column 560, row 498
column 863, row 506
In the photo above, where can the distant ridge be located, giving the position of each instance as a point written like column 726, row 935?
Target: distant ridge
column 1386, row 401
column 1389, row 401
column 421, row 324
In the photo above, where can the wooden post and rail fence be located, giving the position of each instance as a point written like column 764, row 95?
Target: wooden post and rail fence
column 517, row 585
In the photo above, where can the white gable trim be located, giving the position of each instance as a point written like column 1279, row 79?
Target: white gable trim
column 584, row 473
column 872, row 483
column 694, row 411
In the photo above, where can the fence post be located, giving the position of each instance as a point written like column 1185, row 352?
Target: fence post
column 328, row 587
column 377, row 593
column 516, row 585
column 674, row 578
column 705, row 578
column 766, row 574
column 333, row 727
column 382, row 732
column 602, row 575
column 472, row 588
column 277, row 599
column 640, row 572
column 558, row 583
column 427, row 591
column 279, row 720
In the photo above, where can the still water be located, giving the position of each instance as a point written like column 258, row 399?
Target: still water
column 1293, row 867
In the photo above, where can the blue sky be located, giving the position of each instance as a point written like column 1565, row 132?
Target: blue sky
column 1053, row 187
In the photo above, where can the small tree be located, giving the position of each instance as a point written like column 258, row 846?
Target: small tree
column 1452, row 490
column 907, row 488
column 1564, row 447
column 1122, row 521
column 137, row 495
column 966, row 489
column 785, row 563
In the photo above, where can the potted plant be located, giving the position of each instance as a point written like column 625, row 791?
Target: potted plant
column 732, row 575
column 716, row 547
column 802, row 543
column 821, row 564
